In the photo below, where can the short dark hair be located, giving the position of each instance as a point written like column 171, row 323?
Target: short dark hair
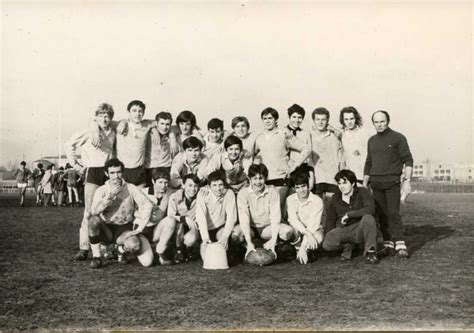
column 192, row 142
column 320, row 111
column 215, row 123
column 232, row 140
column 40, row 165
column 49, row 167
column 61, row 169
column 113, row 162
column 105, row 108
column 299, row 178
column 346, row 174
column 193, row 177
column 186, row 117
column 68, row 166
column 271, row 111
column 350, row 109
column 387, row 116
column 239, row 119
column 164, row 115
column 138, row 103
column 301, row 175
column 23, row 163
column 258, row 169
column 295, row 108
column 215, row 176
column 161, row 172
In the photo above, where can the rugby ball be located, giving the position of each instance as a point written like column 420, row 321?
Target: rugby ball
column 260, row 257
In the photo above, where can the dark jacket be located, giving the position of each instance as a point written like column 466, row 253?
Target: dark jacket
column 361, row 203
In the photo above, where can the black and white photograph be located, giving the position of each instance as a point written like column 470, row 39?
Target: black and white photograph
column 236, row 165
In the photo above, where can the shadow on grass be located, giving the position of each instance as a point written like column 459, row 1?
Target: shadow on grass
column 418, row 235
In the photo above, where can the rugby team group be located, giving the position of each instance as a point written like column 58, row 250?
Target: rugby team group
column 160, row 191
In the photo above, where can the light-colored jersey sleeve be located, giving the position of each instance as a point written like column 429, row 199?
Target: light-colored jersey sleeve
column 77, row 140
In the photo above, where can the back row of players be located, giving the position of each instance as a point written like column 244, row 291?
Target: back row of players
column 249, row 177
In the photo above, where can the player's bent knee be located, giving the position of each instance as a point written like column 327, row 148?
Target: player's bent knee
column 190, row 239
column 286, row 232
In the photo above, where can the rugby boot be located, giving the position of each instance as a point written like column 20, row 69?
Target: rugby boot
column 371, row 257
column 387, row 250
column 81, row 255
column 401, row 250
column 96, row 262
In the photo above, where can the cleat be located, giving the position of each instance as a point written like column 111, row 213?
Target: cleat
column 401, row 250
column 371, row 257
column 178, row 257
column 81, row 255
column 388, row 249
column 402, row 254
column 96, row 262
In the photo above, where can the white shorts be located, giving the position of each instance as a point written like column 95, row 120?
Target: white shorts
column 22, row 185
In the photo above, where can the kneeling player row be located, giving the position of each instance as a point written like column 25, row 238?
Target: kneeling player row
column 121, row 213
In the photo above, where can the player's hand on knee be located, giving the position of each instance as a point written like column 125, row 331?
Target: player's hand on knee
column 312, row 242
column 302, row 256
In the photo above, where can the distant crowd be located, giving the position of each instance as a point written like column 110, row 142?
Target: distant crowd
column 53, row 186
column 160, row 191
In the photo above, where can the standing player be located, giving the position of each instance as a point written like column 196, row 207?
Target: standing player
column 327, row 154
column 354, row 141
column 388, row 152
column 241, row 128
column 214, row 138
column 158, row 155
column 94, row 159
column 38, row 174
column 186, row 127
column 22, row 174
column 274, row 147
column 131, row 145
column 116, row 206
column 296, row 116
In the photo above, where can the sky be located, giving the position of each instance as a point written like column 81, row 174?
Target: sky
column 59, row 60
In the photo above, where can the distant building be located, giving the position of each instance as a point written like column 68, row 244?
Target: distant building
column 429, row 171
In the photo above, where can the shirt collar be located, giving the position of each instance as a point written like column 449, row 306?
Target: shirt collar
column 265, row 191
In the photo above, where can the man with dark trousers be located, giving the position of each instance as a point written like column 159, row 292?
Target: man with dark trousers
column 350, row 219
column 388, row 152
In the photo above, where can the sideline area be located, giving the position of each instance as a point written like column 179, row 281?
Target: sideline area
column 41, row 288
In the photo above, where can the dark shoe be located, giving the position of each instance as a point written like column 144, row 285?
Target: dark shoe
column 178, row 257
column 401, row 250
column 388, row 249
column 96, row 263
column 371, row 257
column 81, row 255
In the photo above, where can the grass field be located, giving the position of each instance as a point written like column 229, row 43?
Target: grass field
column 41, row 288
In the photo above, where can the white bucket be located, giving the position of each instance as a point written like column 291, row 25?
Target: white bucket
column 214, row 257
